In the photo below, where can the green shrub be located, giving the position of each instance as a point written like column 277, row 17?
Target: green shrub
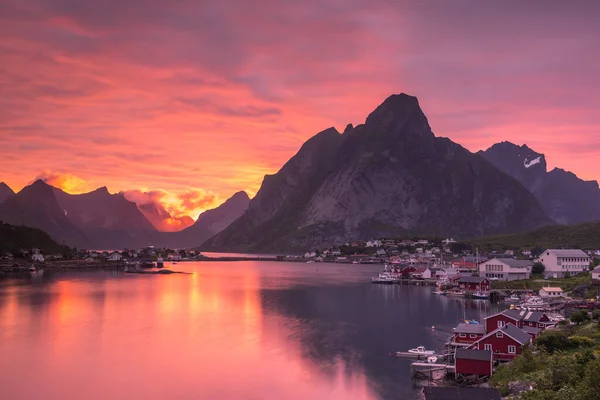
column 596, row 314
column 553, row 340
column 581, row 341
column 579, row 316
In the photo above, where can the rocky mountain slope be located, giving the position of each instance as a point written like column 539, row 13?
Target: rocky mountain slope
column 389, row 176
column 5, row 192
column 565, row 198
column 36, row 206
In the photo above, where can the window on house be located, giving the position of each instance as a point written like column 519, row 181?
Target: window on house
column 462, row 334
column 500, row 324
column 512, row 349
column 488, row 347
column 472, row 335
column 499, row 335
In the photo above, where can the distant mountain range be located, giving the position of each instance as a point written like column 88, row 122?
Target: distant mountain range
column 100, row 220
column 390, row 176
column 565, row 198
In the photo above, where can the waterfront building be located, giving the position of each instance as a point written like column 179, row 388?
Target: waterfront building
column 596, row 275
column 557, row 262
column 473, row 362
column 505, row 342
column 506, row 269
column 519, row 318
column 551, row 292
column 474, row 284
column 465, row 334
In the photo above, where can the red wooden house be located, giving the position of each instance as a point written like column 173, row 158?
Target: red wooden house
column 501, row 319
column 473, row 362
column 519, row 318
column 406, row 271
column 474, row 284
column 505, row 343
column 465, row 334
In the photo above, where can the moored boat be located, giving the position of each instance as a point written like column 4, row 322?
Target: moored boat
column 456, row 293
column 513, row 298
column 481, row 295
column 440, row 292
column 421, row 350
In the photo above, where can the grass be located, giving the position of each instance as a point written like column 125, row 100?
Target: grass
column 581, row 236
column 537, row 281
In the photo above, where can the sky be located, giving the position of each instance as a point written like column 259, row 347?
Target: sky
column 196, row 100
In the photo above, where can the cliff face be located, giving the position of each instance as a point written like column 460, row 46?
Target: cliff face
column 389, row 176
column 565, row 198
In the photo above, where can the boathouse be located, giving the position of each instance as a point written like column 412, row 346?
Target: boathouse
column 465, row 334
column 501, row 319
column 474, row 284
column 459, row 393
column 505, row 343
column 473, row 362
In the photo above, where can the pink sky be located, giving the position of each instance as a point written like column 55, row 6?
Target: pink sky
column 203, row 98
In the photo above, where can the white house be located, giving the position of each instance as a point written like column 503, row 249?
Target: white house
column 336, row 252
column 558, row 261
column 506, row 269
column 551, row 292
column 310, row 254
column 380, row 252
column 596, row 275
column 114, row 257
column 37, row 257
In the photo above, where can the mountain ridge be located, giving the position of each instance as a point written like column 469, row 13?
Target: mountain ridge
column 390, row 175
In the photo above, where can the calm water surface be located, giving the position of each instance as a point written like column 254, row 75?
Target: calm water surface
column 229, row 330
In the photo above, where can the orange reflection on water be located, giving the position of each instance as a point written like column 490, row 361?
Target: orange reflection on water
column 199, row 336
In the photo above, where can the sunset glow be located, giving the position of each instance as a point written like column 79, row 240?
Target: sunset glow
column 195, row 101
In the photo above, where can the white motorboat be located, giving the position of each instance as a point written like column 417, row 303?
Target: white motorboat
column 440, row 292
column 481, row 295
column 422, row 351
column 514, row 298
column 456, row 293
column 432, row 359
column 533, row 301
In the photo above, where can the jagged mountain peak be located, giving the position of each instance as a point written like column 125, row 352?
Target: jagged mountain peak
column 5, row 192
column 564, row 197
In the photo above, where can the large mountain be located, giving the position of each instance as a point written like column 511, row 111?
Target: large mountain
column 565, row 198
column 389, row 176
column 108, row 220
column 37, row 206
column 208, row 224
column 5, row 192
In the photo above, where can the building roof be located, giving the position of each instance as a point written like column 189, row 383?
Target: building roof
column 511, row 262
column 531, row 329
column 552, row 289
column 470, row 354
column 471, row 279
column 533, row 316
column 460, row 393
column 568, row 253
column 597, row 269
column 470, row 328
column 516, row 333
column 473, row 259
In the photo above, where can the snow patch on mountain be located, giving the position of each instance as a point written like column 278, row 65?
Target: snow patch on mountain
column 528, row 163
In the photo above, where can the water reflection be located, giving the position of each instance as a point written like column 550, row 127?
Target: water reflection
column 228, row 330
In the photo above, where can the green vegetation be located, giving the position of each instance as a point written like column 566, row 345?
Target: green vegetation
column 582, row 236
column 537, row 281
column 14, row 238
column 564, row 363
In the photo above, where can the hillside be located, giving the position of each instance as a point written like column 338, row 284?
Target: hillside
column 584, row 236
column 13, row 238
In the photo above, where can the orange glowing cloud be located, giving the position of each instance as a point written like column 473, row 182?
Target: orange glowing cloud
column 65, row 181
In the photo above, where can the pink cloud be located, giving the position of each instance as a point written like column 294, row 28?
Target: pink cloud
column 177, row 95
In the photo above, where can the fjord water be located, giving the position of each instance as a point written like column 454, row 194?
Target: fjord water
column 228, row 330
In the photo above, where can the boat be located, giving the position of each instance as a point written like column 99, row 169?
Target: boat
column 387, row 280
column 456, row 293
column 432, row 359
column 533, row 301
column 513, row 298
column 160, row 263
column 422, row 351
column 309, row 262
column 440, row 292
column 481, row 295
